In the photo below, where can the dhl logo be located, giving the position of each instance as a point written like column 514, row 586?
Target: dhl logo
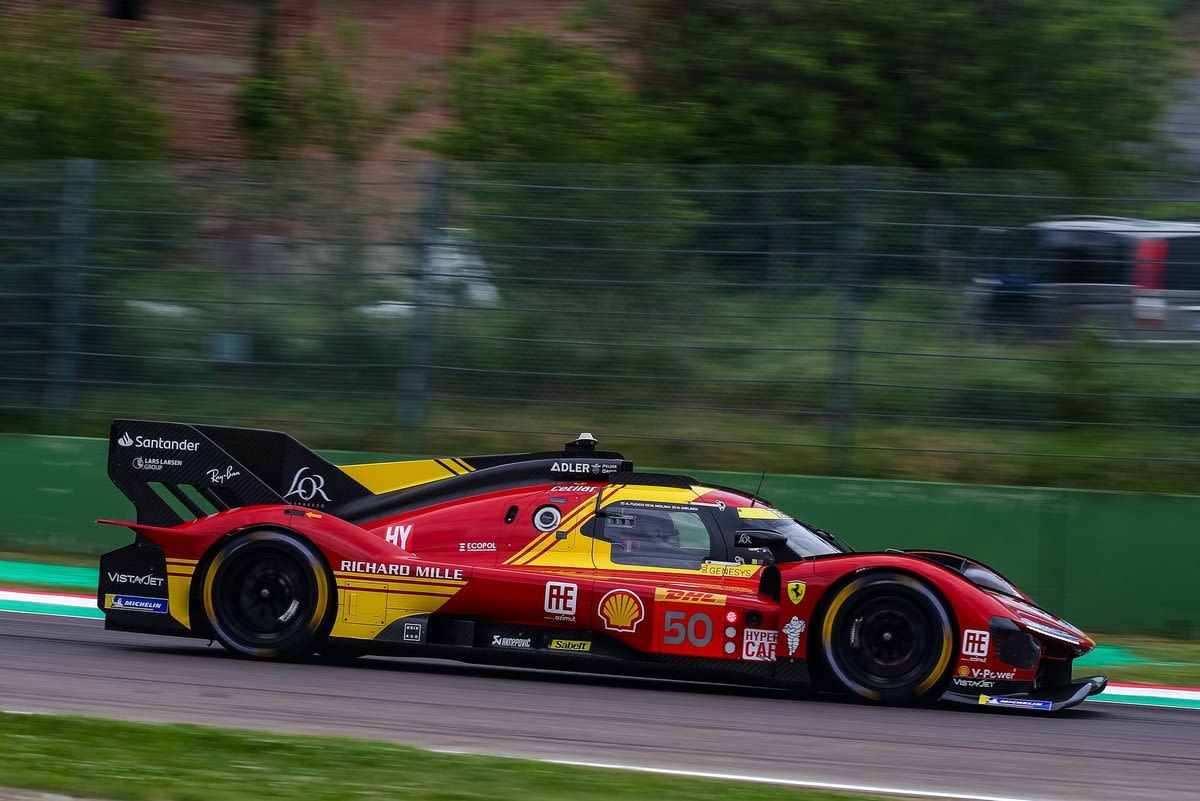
column 689, row 597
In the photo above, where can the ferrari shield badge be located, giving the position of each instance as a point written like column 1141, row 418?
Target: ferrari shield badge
column 796, row 591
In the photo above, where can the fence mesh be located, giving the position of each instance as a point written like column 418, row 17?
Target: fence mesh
column 794, row 319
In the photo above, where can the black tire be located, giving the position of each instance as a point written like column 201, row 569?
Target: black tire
column 267, row 594
column 888, row 637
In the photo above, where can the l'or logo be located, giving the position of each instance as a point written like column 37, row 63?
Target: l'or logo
column 796, row 591
column 307, row 487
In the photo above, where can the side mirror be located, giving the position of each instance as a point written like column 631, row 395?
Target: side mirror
column 759, row 538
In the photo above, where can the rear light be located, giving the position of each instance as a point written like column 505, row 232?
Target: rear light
column 1149, row 267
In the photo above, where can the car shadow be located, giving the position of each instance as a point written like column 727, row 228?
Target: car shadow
column 680, row 685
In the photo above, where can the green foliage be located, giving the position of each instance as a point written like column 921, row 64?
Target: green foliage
column 311, row 96
column 1060, row 84
column 1044, row 84
column 59, row 99
column 1170, row 8
column 529, row 97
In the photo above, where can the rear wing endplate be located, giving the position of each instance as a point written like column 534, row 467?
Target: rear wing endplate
column 174, row 472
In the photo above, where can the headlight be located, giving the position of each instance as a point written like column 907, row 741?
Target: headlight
column 1049, row 631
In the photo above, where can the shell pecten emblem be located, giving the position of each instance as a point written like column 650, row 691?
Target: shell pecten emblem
column 621, row 610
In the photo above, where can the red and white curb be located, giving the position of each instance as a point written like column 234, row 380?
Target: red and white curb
column 49, row 603
column 1150, row 695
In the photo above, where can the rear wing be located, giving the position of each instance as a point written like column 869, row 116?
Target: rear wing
column 175, row 472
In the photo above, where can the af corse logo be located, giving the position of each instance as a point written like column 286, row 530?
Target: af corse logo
column 975, row 643
column 561, row 598
column 307, row 487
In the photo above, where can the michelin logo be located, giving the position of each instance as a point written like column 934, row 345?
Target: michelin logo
column 1019, row 703
column 135, row 603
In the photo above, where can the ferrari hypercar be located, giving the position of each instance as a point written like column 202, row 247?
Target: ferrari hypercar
column 568, row 560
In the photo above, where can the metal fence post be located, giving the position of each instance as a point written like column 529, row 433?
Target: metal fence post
column 414, row 375
column 780, row 232
column 840, row 399
column 69, row 275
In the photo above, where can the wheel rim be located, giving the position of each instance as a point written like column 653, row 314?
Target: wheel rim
column 264, row 594
column 887, row 639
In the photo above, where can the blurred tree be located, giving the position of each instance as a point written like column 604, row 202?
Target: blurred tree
column 529, row 97
column 309, row 96
column 1060, row 84
column 560, row 235
column 264, row 108
column 61, row 99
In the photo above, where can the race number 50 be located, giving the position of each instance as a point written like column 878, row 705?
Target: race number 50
column 696, row 629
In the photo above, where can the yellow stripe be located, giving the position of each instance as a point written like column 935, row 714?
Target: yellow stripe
column 466, row 467
column 444, row 592
column 380, row 477
column 395, row 581
column 574, row 519
column 528, row 549
column 537, row 553
column 385, row 577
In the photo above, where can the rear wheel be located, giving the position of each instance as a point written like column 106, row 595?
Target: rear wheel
column 888, row 637
column 267, row 594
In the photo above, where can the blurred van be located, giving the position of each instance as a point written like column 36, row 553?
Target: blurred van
column 1135, row 280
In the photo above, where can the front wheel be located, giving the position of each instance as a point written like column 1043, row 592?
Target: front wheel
column 888, row 637
column 267, row 594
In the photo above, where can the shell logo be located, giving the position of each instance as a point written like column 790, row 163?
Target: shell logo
column 963, row 670
column 621, row 610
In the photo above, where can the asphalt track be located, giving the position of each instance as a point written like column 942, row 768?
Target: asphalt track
column 1099, row 751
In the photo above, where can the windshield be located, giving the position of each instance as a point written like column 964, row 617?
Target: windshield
column 801, row 539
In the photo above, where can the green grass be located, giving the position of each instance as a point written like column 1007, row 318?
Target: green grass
column 25, row 585
column 1171, row 662
column 49, row 558
column 93, row 758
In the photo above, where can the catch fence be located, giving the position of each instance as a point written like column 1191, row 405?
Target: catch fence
column 853, row 321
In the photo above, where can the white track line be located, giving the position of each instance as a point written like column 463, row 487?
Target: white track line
column 1173, row 693
column 742, row 777
column 51, row 599
column 703, row 774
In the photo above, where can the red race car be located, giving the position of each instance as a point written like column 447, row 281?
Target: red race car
column 567, row 559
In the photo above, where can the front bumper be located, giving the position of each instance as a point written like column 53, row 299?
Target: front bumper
column 1047, row 700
